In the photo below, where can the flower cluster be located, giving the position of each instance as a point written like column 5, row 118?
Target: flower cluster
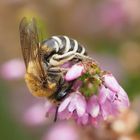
column 96, row 95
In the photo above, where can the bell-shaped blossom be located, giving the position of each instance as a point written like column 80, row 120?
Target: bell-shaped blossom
column 92, row 112
column 93, row 106
column 13, row 69
column 111, row 102
column 74, row 72
column 111, row 83
column 74, row 103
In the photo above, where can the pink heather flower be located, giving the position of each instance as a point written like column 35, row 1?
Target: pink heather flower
column 93, row 106
column 35, row 115
column 85, row 108
column 74, row 103
column 12, row 69
column 112, row 103
column 123, row 97
column 94, row 111
column 74, row 72
column 111, row 83
column 117, row 93
column 93, row 114
column 62, row 131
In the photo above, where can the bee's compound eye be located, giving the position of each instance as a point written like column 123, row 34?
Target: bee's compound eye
column 50, row 44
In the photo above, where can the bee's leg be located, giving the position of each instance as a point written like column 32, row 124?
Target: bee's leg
column 63, row 56
column 57, row 70
column 82, row 57
column 56, row 113
column 54, row 69
column 63, row 89
column 59, row 62
column 54, row 72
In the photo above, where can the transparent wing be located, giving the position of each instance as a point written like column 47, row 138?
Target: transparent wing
column 30, row 47
column 25, row 40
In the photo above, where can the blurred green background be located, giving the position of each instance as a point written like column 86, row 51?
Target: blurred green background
column 109, row 29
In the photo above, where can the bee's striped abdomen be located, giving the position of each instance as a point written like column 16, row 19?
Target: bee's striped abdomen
column 67, row 45
column 65, row 49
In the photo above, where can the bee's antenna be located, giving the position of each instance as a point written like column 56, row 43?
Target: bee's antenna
column 56, row 112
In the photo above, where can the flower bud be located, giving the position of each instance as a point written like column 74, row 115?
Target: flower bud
column 74, row 72
column 111, row 82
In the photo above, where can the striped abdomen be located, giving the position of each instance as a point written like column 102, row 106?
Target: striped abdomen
column 62, row 49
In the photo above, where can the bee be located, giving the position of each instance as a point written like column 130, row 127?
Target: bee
column 44, row 60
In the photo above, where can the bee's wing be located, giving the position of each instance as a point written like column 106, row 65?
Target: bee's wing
column 25, row 41
column 29, row 40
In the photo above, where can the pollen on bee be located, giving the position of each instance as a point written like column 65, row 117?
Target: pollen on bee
column 36, row 88
column 51, row 85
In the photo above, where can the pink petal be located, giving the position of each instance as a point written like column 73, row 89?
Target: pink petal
column 72, row 105
column 122, row 101
column 64, row 104
column 74, row 72
column 103, row 94
column 110, row 102
column 65, row 114
column 106, row 109
column 80, row 105
column 110, row 106
column 111, row 96
column 124, row 97
column 111, row 82
column 77, row 103
column 93, row 106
